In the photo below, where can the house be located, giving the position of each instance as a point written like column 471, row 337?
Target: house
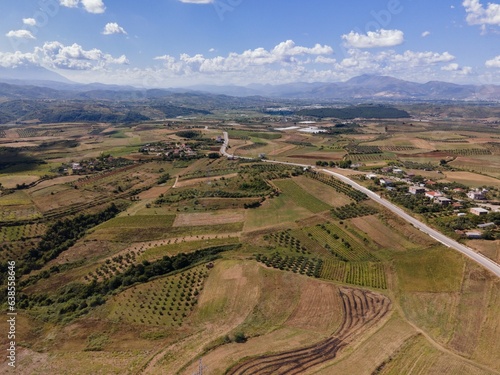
column 433, row 194
column 397, row 170
column 416, row 190
column 442, row 201
column 475, row 235
column 478, row 211
column 460, row 214
column 76, row 166
column 371, row 176
column 385, row 182
column 476, row 195
column 486, row 225
column 386, row 169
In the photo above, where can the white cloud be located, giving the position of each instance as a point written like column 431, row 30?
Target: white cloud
column 20, row 34
column 197, row 1
column 113, row 28
column 55, row 55
column 477, row 14
column 451, row 67
column 454, row 67
column 91, row 6
column 286, row 53
column 372, row 39
column 69, row 3
column 493, row 63
column 426, row 34
column 12, row 60
column 29, row 21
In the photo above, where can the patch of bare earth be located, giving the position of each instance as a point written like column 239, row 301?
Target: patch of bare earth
column 209, row 218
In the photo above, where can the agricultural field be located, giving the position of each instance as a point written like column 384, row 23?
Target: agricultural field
column 160, row 252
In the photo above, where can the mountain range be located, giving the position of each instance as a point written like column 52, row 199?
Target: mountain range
column 39, row 83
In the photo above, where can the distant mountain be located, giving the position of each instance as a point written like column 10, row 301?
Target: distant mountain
column 33, row 75
column 361, row 88
column 368, row 87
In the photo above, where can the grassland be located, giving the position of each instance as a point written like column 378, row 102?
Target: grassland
column 322, row 280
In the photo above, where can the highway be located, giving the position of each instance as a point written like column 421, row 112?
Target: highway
column 467, row 251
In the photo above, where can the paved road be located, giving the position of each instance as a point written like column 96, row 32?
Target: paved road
column 467, row 251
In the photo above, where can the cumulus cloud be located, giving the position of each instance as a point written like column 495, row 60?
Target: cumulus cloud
column 15, row 59
column 426, row 34
column 91, row 6
column 493, row 63
column 29, row 21
column 373, row 39
column 285, row 53
column 288, row 62
column 113, row 28
column 20, row 34
column 454, row 67
column 57, row 55
column 69, row 3
column 477, row 14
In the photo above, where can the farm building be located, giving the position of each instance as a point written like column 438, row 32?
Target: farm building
column 442, row 201
column 486, row 225
column 478, row 211
column 416, row 190
column 473, row 235
column 476, row 195
column 385, row 182
column 433, row 194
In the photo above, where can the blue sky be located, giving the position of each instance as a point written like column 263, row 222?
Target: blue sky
column 167, row 43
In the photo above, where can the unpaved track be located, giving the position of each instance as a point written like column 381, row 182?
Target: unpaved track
column 361, row 310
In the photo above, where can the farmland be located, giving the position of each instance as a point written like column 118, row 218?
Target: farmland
column 140, row 250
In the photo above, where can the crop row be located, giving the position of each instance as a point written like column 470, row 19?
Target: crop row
column 28, row 132
column 209, row 172
column 357, row 149
column 369, row 157
column 285, row 239
column 21, row 232
column 103, row 175
column 397, row 148
column 302, row 265
column 163, row 302
column 353, row 210
column 340, row 245
column 339, row 186
column 367, row 274
column 468, row 151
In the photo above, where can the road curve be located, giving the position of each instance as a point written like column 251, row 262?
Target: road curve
column 445, row 240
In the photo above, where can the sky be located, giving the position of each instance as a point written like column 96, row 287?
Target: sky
column 178, row 43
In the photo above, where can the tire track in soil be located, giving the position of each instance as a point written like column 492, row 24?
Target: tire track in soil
column 361, row 308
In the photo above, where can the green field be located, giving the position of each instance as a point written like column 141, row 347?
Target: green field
column 300, row 196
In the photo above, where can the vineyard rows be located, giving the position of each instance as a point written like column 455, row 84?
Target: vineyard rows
column 357, row 149
column 468, row 151
column 339, row 186
column 398, row 148
column 302, row 265
column 353, row 210
column 21, row 232
column 342, row 246
column 163, row 302
column 28, row 132
column 367, row 274
column 286, row 240
column 371, row 157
